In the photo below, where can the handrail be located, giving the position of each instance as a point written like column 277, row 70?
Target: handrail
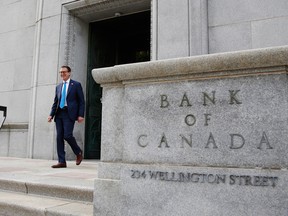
column 4, row 109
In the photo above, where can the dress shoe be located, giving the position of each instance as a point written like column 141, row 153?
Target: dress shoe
column 79, row 158
column 59, row 165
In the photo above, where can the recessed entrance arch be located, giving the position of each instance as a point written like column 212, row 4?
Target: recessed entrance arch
column 122, row 39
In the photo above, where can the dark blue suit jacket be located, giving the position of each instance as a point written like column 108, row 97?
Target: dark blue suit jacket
column 75, row 100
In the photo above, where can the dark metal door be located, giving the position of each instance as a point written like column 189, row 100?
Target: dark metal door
column 120, row 40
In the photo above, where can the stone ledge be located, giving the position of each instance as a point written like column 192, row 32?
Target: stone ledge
column 15, row 126
column 240, row 63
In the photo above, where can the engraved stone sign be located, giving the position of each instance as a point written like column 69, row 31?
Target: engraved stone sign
column 220, row 122
column 202, row 135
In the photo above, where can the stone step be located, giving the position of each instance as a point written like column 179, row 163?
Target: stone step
column 76, row 193
column 36, row 177
column 13, row 203
column 31, row 187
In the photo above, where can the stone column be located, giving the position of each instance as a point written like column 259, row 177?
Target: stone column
column 179, row 28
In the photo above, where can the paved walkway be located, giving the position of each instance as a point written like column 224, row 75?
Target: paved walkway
column 40, row 171
column 31, row 187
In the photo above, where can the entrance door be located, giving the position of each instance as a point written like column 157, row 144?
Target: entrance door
column 121, row 40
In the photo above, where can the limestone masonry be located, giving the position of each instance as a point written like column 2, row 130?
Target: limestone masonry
column 194, row 136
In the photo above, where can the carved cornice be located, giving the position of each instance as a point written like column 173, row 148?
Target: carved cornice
column 83, row 8
column 16, row 126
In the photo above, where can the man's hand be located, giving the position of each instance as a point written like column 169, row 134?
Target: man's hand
column 80, row 119
column 50, row 118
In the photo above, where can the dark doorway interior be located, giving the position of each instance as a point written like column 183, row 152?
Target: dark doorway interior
column 121, row 40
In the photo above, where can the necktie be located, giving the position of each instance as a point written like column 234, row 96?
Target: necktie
column 63, row 96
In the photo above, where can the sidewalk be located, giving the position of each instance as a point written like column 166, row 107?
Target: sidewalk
column 40, row 171
column 32, row 187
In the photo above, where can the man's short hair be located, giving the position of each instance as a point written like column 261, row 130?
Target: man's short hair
column 67, row 67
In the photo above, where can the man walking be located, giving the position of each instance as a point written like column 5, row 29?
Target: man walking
column 68, row 107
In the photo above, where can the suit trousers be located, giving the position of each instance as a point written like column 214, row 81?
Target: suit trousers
column 64, row 128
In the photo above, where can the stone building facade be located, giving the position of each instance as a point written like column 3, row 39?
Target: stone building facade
column 38, row 36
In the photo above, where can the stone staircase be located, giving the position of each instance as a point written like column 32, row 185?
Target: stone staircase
column 31, row 187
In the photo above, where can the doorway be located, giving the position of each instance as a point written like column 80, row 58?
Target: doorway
column 120, row 40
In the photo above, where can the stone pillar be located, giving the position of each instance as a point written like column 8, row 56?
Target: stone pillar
column 179, row 28
column 203, row 135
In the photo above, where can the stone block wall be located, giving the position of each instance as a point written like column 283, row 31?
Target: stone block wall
column 36, row 38
column 202, row 135
column 189, row 28
column 239, row 25
column 17, row 38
